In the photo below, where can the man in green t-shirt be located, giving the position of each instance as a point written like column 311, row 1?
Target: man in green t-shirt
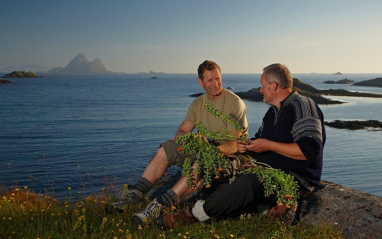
column 168, row 155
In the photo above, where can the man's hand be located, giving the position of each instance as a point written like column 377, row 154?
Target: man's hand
column 259, row 145
column 242, row 148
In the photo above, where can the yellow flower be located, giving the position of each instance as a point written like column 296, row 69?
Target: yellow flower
column 232, row 235
column 69, row 188
column 17, row 189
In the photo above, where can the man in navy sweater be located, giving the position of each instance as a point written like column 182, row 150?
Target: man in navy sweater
column 291, row 138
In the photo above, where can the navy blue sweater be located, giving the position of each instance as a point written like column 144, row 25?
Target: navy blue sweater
column 298, row 120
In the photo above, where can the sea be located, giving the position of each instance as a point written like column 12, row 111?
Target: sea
column 90, row 132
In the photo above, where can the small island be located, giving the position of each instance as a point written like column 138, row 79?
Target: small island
column 337, row 74
column 377, row 82
column 343, row 81
column 5, row 82
column 21, row 74
column 340, row 92
column 355, row 124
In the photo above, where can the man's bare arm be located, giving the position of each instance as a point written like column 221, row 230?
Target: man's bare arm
column 290, row 150
column 185, row 128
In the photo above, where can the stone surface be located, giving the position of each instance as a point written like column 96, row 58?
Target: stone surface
column 357, row 214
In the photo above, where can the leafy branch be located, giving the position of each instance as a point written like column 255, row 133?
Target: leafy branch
column 209, row 161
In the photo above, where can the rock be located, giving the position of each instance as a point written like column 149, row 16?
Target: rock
column 251, row 95
column 357, row 214
column 377, row 82
column 341, row 92
column 21, row 74
column 343, row 81
column 5, row 82
column 354, row 125
column 304, row 86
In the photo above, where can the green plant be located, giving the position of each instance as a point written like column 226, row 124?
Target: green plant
column 209, row 161
column 276, row 182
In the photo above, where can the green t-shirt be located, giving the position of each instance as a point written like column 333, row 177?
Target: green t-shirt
column 228, row 103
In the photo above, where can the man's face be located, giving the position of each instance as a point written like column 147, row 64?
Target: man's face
column 212, row 84
column 266, row 89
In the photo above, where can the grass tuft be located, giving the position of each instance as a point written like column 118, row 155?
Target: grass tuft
column 26, row 214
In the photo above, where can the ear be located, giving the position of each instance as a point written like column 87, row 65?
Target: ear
column 275, row 85
column 201, row 82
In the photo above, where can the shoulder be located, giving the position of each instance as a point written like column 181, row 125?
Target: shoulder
column 230, row 96
column 199, row 100
column 301, row 103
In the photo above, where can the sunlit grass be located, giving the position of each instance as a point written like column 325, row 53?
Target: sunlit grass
column 26, row 214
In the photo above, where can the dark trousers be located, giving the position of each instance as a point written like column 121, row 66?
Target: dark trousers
column 243, row 195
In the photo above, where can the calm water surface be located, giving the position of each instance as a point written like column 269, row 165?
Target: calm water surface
column 85, row 132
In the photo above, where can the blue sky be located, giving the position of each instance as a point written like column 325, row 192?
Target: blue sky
column 176, row 36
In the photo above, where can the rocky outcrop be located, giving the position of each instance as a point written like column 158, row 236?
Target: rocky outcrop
column 357, row 214
column 21, row 74
column 377, row 82
column 5, row 82
column 340, row 92
column 343, row 81
column 355, row 124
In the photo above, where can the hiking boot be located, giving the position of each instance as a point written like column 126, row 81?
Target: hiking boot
column 282, row 212
column 132, row 197
column 152, row 210
column 178, row 218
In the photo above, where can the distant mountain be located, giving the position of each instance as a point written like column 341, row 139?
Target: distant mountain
column 25, row 67
column 81, row 65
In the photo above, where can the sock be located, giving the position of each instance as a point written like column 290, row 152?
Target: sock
column 198, row 211
column 168, row 198
column 144, row 185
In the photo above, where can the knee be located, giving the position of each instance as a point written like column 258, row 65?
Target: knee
column 160, row 157
column 250, row 179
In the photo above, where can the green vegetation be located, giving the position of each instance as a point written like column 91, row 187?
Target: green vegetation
column 25, row 214
column 211, row 163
